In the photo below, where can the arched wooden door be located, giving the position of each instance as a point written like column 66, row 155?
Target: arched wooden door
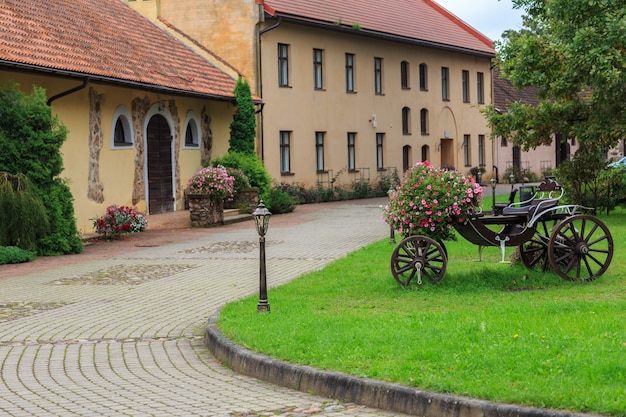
column 160, row 188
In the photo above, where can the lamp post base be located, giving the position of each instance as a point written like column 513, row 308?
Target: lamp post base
column 263, row 307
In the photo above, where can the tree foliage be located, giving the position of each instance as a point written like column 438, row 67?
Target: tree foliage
column 243, row 126
column 574, row 51
column 30, row 144
column 24, row 219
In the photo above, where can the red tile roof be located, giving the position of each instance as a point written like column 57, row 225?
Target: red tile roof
column 107, row 40
column 419, row 21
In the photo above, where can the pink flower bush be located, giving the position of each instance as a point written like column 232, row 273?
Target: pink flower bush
column 215, row 182
column 428, row 200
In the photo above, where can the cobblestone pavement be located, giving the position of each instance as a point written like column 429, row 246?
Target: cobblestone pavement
column 123, row 335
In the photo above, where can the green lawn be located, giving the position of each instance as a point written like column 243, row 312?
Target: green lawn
column 488, row 330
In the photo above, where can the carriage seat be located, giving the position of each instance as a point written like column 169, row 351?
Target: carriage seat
column 547, row 196
column 498, row 207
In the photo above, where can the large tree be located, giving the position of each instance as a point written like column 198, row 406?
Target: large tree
column 574, row 51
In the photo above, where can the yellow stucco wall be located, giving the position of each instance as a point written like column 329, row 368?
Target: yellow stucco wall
column 116, row 167
column 227, row 28
column 303, row 110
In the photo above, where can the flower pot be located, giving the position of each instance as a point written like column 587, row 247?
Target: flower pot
column 203, row 212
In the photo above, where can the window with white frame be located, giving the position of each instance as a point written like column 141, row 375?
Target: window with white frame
column 285, row 152
column 351, row 151
column 121, row 129
column 318, row 69
column 283, row 65
column 192, row 131
column 319, row 151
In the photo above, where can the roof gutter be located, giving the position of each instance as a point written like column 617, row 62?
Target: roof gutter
column 109, row 80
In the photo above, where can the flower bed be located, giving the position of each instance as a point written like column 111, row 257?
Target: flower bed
column 428, row 201
column 118, row 220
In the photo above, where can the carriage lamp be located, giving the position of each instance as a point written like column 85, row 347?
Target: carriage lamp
column 262, row 220
column 511, row 180
column 493, row 182
column 392, row 233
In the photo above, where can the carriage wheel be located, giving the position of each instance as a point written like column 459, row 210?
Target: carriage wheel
column 581, row 248
column 534, row 253
column 418, row 256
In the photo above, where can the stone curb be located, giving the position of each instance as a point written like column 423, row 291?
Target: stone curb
column 367, row 392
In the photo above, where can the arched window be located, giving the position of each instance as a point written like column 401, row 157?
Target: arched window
column 405, row 75
column 425, row 153
column 424, row 121
column 423, row 77
column 406, row 121
column 192, row 131
column 121, row 131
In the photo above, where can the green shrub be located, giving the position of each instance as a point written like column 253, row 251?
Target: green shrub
column 251, row 165
column 24, row 219
column 241, row 180
column 278, row 201
column 30, row 143
column 15, row 255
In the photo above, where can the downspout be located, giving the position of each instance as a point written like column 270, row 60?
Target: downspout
column 260, row 73
column 68, row 92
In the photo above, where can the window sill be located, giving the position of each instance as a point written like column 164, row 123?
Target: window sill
column 321, row 171
column 123, row 146
column 287, row 174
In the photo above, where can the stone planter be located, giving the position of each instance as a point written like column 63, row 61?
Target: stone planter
column 205, row 213
column 246, row 200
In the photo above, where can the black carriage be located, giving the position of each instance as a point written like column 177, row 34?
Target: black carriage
column 567, row 238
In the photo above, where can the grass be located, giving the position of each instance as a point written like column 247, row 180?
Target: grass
column 488, row 330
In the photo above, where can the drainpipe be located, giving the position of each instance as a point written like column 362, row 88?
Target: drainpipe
column 68, row 92
column 259, row 73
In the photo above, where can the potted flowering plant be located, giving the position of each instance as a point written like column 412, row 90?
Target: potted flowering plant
column 213, row 182
column 429, row 200
column 206, row 190
column 118, row 220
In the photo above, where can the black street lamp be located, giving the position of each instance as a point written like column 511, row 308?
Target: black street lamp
column 262, row 220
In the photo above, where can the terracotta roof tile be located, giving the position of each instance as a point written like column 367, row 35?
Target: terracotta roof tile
column 415, row 20
column 105, row 39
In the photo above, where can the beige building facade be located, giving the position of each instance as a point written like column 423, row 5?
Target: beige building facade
column 350, row 93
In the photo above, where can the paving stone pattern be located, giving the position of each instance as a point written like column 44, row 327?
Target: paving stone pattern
column 124, row 336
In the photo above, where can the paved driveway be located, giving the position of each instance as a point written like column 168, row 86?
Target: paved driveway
column 122, row 333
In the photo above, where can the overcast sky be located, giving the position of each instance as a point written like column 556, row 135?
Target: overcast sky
column 490, row 17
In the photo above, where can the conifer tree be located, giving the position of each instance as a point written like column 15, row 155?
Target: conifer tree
column 243, row 126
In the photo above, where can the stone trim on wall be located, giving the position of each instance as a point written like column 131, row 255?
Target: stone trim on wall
column 95, row 189
column 206, row 141
column 140, row 107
